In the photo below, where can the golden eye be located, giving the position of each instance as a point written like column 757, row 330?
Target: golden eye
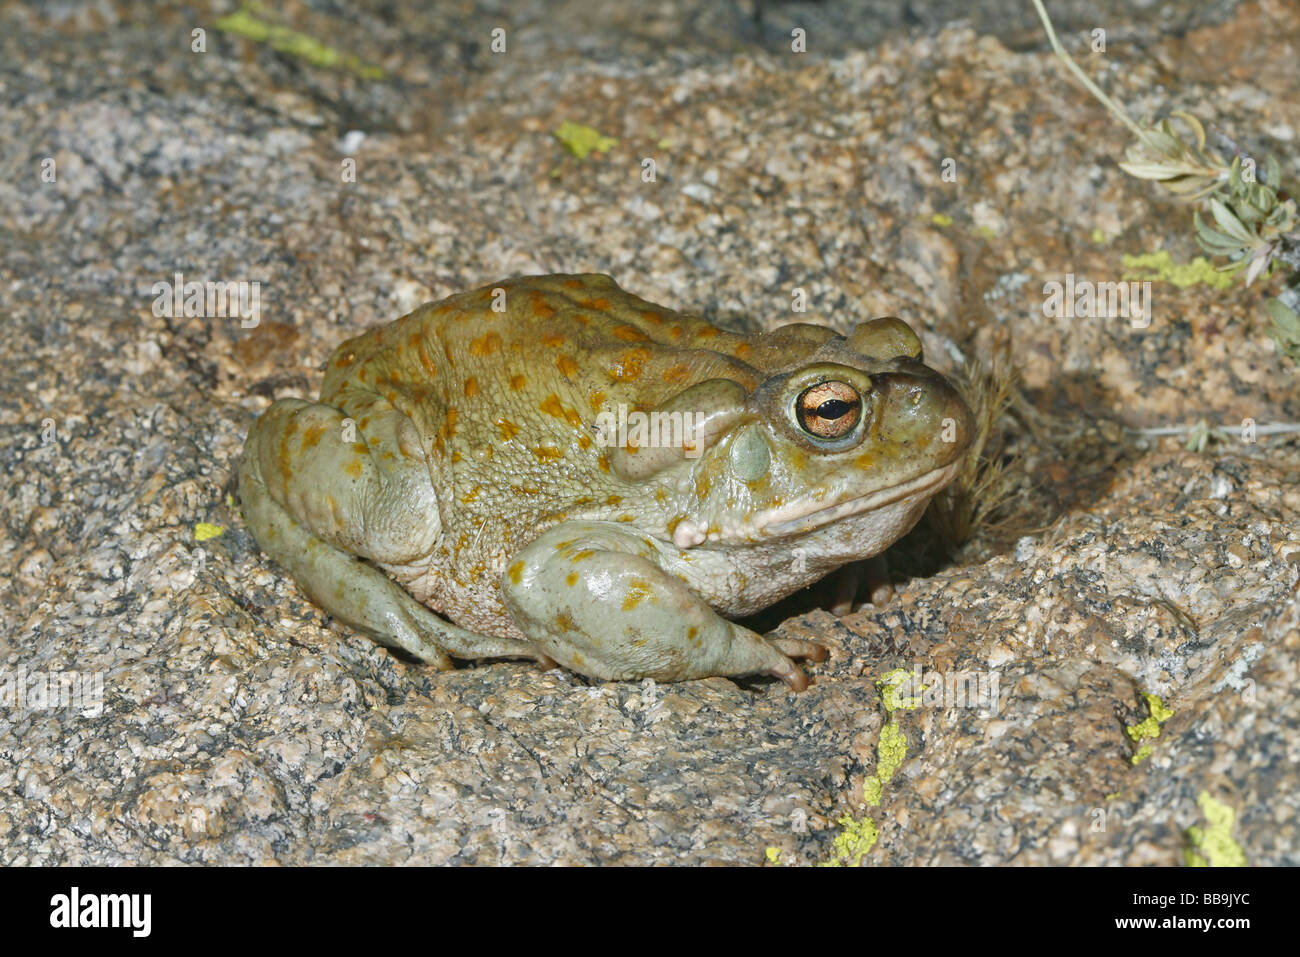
column 829, row 410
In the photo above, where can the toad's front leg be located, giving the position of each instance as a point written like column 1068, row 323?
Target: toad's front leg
column 595, row 597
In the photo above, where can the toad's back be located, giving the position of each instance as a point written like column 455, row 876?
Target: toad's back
column 505, row 384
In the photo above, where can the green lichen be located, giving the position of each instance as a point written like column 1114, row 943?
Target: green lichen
column 1213, row 845
column 205, row 530
column 940, row 219
column 581, row 140
column 1149, row 728
column 245, row 22
column 1161, row 266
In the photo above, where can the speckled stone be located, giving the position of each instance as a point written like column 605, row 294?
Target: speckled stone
column 238, row 725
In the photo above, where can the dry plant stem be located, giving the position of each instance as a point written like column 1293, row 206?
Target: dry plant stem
column 1083, row 78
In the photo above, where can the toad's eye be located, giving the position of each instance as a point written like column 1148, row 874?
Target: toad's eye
column 829, row 410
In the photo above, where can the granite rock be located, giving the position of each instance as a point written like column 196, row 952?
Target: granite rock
column 223, row 719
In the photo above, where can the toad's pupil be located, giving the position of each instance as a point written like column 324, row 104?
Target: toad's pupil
column 834, row 409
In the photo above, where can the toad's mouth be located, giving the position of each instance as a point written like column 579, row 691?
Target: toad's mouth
column 790, row 520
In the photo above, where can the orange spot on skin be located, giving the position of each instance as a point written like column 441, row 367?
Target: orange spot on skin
column 471, row 387
column 517, row 382
column 638, row 590
column 573, row 284
column 485, row 345
column 568, row 368
column 471, row 494
column 353, row 468
column 600, row 305
column 553, row 339
column 614, row 500
column 361, row 375
column 653, row 318
column 541, row 308
column 582, row 556
column 426, row 360
column 455, row 457
column 346, row 359
column 571, row 579
column 584, row 442
column 582, row 319
column 628, row 334
column 507, row 429
column 548, row 453
column 676, row 374
column 311, row 436
column 603, row 464
column 360, row 448
column 597, row 399
column 564, row 623
column 446, row 351
column 552, row 406
column 516, row 572
column 627, row 367
column 707, row 332
column 449, row 423
column 743, row 350
column 675, row 332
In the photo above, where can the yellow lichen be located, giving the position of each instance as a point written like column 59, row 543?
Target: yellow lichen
column 246, row 23
column 1213, row 845
column 1161, row 266
column 205, row 530
column 1148, row 729
column 581, row 140
column 853, row 842
column 857, row 837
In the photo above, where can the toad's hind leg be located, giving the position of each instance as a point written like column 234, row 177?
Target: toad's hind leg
column 598, row 599
column 315, row 502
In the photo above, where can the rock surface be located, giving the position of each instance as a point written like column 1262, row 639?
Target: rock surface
column 238, row 725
